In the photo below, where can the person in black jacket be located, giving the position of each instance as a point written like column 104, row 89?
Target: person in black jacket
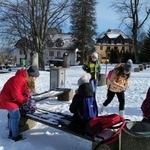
column 76, row 107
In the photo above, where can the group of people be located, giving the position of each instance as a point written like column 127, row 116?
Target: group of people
column 117, row 84
column 17, row 91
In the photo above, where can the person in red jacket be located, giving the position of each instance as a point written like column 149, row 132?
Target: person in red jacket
column 15, row 92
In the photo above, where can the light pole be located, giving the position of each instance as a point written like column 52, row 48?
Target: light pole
column 107, row 60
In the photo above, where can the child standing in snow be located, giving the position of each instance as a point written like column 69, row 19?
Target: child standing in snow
column 92, row 66
column 16, row 92
column 118, row 83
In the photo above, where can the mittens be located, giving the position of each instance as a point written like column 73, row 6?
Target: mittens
column 29, row 107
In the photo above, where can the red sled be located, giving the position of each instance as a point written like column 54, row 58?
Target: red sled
column 107, row 127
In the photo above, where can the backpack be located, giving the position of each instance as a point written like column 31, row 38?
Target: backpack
column 109, row 74
column 107, row 127
column 145, row 107
column 111, row 71
column 89, row 109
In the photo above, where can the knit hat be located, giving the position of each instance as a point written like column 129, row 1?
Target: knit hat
column 84, row 79
column 33, row 71
column 95, row 55
column 128, row 65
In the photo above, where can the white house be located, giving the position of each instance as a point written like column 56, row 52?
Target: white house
column 59, row 44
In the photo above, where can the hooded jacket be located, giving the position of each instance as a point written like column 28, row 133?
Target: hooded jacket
column 14, row 92
column 117, row 84
column 84, row 91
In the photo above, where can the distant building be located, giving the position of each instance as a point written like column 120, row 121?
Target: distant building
column 61, row 43
column 58, row 44
column 112, row 39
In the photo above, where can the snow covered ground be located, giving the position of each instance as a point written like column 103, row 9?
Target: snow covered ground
column 47, row 138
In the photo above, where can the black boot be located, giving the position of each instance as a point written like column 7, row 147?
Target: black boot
column 10, row 135
column 17, row 138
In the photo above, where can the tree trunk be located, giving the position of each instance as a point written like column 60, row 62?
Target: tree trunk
column 135, row 46
column 41, row 61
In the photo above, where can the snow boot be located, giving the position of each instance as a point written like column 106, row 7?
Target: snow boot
column 102, row 109
column 121, row 113
column 18, row 138
column 10, row 135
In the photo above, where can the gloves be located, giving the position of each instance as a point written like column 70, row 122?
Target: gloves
column 29, row 107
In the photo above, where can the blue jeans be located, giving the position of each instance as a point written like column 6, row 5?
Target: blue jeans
column 94, row 83
column 14, row 121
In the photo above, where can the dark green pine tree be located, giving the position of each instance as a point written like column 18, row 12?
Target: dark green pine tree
column 145, row 52
column 83, row 25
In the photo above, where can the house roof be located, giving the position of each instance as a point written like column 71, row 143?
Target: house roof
column 113, row 33
column 65, row 37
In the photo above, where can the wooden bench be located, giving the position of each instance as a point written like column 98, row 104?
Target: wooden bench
column 136, row 69
column 57, row 121
column 63, row 94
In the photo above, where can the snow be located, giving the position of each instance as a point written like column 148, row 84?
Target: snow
column 47, row 138
column 113, row 33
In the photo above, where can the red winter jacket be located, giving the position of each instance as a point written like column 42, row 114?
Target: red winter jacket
column 14, row 92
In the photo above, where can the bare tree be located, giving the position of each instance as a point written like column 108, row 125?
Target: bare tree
column 31, row 19
column 131, row 12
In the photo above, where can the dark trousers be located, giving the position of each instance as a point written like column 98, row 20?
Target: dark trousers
column 120, row 96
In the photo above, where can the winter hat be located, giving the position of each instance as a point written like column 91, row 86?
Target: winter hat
column 95, row 55
column 84, row 79
column 128, row 65
column 33, row 71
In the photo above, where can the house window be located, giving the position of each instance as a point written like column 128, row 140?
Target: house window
column 58, row 54
column 112, row 42
column 115, row 47
column 123, row 48
column 101, row 47
column 21, row 52
column 108, row 47
column 51, row 53
column 59, row 42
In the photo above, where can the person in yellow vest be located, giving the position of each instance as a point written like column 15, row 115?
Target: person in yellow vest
column 93, row 67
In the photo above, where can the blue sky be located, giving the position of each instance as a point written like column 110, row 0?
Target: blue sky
column 108, row 18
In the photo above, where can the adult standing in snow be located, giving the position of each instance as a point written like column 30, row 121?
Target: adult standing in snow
column 118, row 82
column 16, row 92
column 92, row 66
column 78, row 102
